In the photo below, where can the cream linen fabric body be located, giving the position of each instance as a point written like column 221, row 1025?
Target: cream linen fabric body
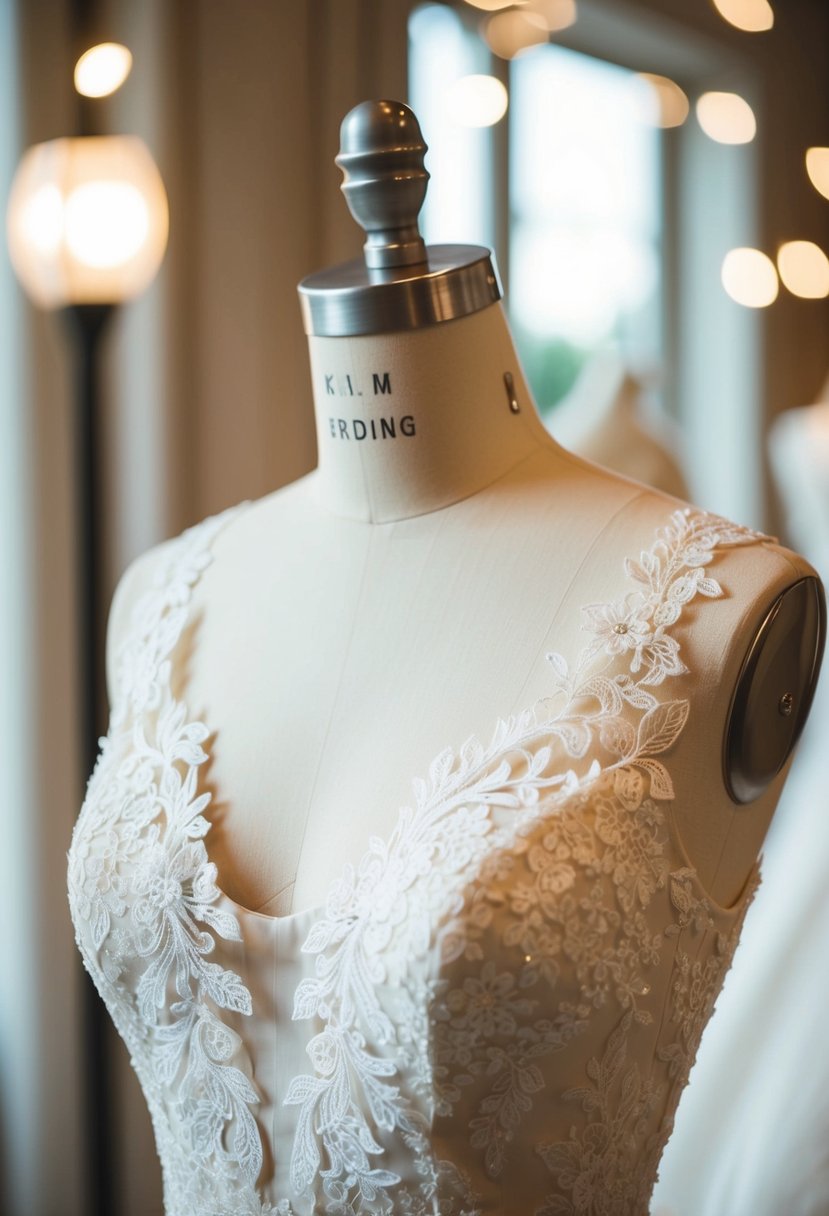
column 495, row 1011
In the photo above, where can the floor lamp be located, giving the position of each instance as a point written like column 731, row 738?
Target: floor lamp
column 87, row 229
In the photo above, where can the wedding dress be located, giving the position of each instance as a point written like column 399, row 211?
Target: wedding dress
column 495, row 1011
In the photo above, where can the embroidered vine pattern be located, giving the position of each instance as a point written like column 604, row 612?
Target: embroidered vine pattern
column 142, row 885
column 475, row 810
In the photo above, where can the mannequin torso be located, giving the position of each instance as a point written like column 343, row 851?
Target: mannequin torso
column 403, row 596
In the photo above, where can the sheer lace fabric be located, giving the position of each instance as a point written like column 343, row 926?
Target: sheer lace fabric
column 495, row 1011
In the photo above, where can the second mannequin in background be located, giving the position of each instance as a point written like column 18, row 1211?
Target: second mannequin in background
column 603, row 419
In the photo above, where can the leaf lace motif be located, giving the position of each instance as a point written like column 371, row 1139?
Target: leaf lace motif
column 474, row 815
column 142, row 894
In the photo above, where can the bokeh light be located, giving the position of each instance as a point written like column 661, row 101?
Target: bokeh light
column 508, row 34
column 751, row 16
column 492, row 6
column 666, row 103
column 804, row 269
column 102, row 69
column 727, row 118
column 477, row 101
column 556, row 14
column 750, row 278
column 817, row 166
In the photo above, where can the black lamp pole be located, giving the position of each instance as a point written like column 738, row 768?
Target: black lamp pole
column 87, row 323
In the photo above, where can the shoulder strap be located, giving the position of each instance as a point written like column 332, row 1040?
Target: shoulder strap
column 159, row 615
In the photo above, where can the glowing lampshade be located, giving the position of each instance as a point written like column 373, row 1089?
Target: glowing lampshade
column 752, row 16
column 817, row 166
column 477, row 101
column 750, row 278
column 102, row 69
column 87, row 220
column 726, row 118
column 804, row 269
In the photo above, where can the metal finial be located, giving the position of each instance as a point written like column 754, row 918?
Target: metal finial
column 400, row 284
column 384, row 181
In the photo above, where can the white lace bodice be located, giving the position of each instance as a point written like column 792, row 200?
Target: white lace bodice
column 495, row 1011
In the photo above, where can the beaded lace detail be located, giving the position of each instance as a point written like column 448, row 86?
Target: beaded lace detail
column 529, row 897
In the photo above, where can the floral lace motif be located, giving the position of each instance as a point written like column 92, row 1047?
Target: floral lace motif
column 528, row 866
column 594, row 1166
column 142, row 895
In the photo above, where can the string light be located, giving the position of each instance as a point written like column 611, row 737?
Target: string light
column 750, row 278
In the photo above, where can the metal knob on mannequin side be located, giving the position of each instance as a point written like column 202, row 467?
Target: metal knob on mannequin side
column 400, row 283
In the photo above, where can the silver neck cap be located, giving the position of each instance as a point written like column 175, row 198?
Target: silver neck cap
column 399, row 284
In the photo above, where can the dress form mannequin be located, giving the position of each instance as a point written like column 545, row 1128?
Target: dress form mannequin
column 403, row 596
column 350, row 1002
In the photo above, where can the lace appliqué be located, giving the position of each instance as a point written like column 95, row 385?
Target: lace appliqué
column 697, row 983
column 592, row 1167
column 475, row 818
column 595, row 1165
column 397, row 1047
column 143, row 894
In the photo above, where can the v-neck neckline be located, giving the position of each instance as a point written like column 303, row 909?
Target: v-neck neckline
column 203, row 537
